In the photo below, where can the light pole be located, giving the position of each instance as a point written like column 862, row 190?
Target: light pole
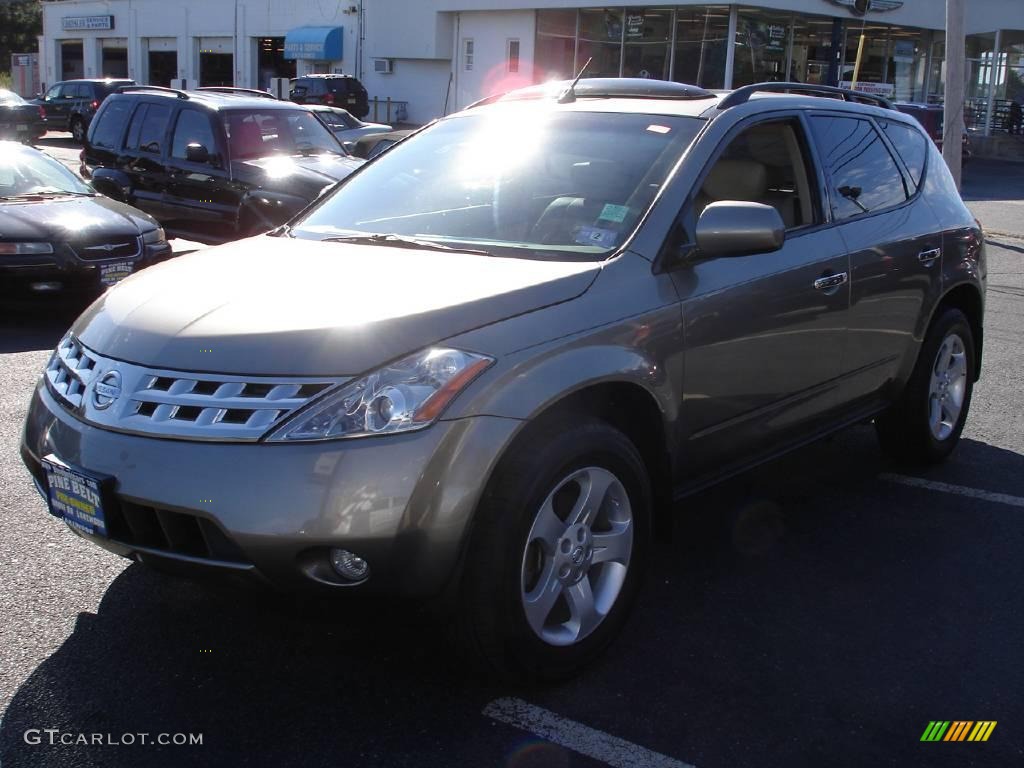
column 956, row 64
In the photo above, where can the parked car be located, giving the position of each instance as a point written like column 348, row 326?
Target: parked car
column 368, row 147
column 482, row 365
column 70, row 105
column 933, row 118
column 211, row 166
column 347, row 127
column 333, row 90
column 20, row 120
column 58, row 235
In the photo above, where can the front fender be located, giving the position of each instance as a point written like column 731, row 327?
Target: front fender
column 261, row 210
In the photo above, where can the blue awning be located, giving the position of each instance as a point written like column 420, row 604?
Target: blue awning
column 320, row 43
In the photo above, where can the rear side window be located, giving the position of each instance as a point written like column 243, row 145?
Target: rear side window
column 106, row 131
column 863, row 176
column 148, row 128
column 911, row 145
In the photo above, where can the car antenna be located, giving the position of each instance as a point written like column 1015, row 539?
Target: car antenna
column 568, row 96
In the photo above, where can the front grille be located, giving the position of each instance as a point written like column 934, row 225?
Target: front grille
column 165, row 403
column 177, row 533
column 109, row 248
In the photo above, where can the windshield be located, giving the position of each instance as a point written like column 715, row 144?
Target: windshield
column 276, row 132
column 514, row 182
column 28, row 172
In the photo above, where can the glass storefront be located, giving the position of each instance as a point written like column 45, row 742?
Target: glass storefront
column 690, row 44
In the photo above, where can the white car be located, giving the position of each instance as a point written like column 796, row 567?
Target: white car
column 346, row 126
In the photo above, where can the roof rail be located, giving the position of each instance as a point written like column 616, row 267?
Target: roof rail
column 602, row 88
column 156, row 88
column 742, row 95
column 237, row 91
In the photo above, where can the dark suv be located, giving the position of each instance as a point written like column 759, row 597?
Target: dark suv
column 333, row 90
column 481, row 366
column 211, row 165
column 70, row 105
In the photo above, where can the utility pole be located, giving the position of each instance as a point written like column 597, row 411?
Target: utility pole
column 956, row 64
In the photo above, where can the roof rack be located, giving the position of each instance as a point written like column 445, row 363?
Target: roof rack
column 230, row 91
column 603, row 88
column 742, row 95
column 155, row 88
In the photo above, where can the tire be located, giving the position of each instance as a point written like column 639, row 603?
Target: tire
column 909, row 431
column 509, row 559
column 77, row 129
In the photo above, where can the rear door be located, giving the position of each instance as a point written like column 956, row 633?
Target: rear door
column 764, row 333
column 143, row 157
column 57, row 104
column 894, row 240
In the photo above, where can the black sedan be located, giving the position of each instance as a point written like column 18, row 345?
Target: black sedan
column 20, row 120
column 57, row 234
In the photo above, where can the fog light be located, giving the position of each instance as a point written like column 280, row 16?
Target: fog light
column 349, row 565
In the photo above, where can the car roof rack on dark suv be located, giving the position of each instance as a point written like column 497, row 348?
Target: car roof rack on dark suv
column 155, row 88
column 231, row 91
column 742, row 95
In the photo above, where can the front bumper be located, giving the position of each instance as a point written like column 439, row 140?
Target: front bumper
column 21, row 275
column 272, row 511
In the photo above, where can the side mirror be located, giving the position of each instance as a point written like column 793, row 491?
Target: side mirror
column 197, row 153
column 734, row 228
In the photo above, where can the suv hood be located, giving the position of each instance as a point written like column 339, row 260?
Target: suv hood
column 316, row 170
column 277, row 306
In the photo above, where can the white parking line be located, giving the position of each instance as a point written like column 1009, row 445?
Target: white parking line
column 576, row 736
column 958, row 490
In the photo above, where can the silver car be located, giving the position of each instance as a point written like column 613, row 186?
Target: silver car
column 483, row 365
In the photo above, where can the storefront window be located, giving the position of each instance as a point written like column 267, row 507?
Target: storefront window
column 702, row 34
column 555, row 46
column 762, row 39
column 648, row 32
column 601, row 41
column 873, row 76
column 813, row 54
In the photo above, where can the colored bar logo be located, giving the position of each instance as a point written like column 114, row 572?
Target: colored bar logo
column 958, row 730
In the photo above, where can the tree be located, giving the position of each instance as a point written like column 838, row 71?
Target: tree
column 21, row 22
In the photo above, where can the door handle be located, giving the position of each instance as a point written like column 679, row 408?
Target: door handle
column 829, row 282
column 928, row 257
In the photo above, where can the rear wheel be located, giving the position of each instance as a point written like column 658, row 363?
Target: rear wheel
column 77, row 129
column 558, row 552
column 925, row 424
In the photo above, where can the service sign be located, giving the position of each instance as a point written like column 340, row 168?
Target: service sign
column 72, row 23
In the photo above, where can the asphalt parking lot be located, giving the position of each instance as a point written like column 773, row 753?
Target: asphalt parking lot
column 819, row 611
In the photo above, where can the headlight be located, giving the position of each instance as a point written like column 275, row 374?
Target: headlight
column 404, row 396
column 24, row 249
column 154, row 236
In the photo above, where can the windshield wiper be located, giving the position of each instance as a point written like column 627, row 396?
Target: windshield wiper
column 399, row 241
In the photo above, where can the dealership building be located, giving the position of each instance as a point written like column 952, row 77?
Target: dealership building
column 436, row 56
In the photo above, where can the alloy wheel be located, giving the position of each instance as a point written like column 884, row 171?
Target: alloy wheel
column 948, row 387
column 577, row 556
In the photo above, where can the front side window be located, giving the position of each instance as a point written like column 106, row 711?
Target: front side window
column 765, row 164
column 193, row 127
column 279, row 131
column 53, row 93
column 863, row 176
column 513, row 182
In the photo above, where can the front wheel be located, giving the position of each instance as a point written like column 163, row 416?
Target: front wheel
column 558, row 552
column 925, row 424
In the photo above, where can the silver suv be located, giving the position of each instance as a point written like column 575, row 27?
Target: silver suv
column 484, row 363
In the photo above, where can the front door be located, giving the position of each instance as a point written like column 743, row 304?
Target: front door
column 765, row 332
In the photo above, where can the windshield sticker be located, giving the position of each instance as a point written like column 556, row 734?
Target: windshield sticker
column 658, row 129
column 614, row 213
column 596, row 236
